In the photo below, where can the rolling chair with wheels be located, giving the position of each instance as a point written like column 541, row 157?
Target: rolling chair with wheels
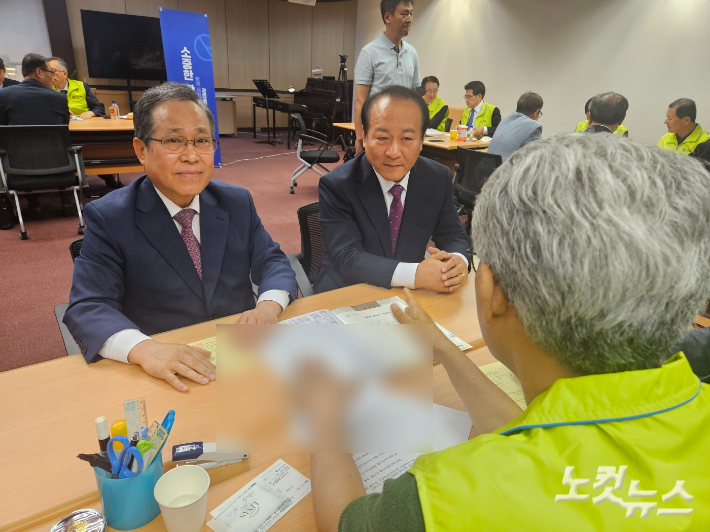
column 472, row 172
column 310, row 159
column 40, row 159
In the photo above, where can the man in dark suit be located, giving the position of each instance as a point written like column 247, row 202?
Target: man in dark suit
column 172, row 249
column 5, row 81
column 33, row 102
column 606, row 112
column 379, row 210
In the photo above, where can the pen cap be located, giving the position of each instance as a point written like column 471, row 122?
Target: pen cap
column 102, row 428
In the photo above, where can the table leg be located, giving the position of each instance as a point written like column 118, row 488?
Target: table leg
column 288, row 131
column 273, row 124
column 253, row 118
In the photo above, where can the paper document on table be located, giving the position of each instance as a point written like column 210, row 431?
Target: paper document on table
column 379, row 313
column 433, row 132
column 208, row 344
column 262, row 502
column 450, row 426
column 375, row 468
column 506, row 381
column 458, row 342
column 319, row 317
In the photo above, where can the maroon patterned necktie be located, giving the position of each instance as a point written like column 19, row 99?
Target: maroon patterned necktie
column 396, row 210
column 184, row 218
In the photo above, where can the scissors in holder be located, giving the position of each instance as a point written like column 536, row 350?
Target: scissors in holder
column 119, row 466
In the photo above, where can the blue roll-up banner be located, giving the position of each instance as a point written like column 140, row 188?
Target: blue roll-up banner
column 188, row 56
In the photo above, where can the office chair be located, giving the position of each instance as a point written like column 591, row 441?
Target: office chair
column 447, row 128
column 472, row 172
column 69, row 343
column 309, row 159
column 75, row 248
column 306, row 264
column 40, row 158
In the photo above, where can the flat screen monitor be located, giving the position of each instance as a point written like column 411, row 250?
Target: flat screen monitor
column 123, row 46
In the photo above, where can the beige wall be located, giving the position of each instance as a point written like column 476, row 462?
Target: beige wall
column 251, row 39
column 651, row 51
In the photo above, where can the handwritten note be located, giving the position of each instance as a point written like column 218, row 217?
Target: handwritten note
column 506, row 381
column 208, row 344
column 375, row 468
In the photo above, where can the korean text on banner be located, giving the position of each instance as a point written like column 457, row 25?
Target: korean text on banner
column 188, row 56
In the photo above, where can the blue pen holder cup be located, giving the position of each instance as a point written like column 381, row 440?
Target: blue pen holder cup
column 129, row 503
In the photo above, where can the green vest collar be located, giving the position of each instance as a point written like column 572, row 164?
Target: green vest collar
column 435, row 105
column 694, row 136
column 604, row 398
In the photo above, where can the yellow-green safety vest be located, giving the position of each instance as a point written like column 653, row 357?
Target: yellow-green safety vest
column 651, row 426
column 669, row 141
column 76, row 97
column 484, row 117
column 435, row 107
column 584, row 124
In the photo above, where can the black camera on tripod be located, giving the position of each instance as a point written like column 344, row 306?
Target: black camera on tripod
column 343, row 59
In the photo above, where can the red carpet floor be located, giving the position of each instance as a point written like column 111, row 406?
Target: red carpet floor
column 36, row 273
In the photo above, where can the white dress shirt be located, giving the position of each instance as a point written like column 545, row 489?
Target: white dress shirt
column 405, row 273
column 475, row 112
column 120, row 344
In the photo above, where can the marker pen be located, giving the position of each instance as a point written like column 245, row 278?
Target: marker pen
column 102, row 433
column 169, row 420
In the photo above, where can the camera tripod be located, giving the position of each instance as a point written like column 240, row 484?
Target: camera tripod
column 348, row 145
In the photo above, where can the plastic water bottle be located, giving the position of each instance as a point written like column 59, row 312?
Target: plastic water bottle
column 113, row 111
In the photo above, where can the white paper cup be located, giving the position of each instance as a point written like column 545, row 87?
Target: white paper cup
column 182, row 496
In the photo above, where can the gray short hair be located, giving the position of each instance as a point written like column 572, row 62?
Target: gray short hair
column 143, row 112
column 601, row 244
column 61, row 62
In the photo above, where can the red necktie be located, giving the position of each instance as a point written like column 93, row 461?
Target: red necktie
column 396, row 210
column 184, row 218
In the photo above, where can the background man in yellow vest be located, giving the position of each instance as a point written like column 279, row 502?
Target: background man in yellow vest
column 81, row 100
column 613, row 437
column 684, row 134
column 480, row 115
column 438, row 108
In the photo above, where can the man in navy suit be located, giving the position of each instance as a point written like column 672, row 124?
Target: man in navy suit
column 33, row 102
column 172, row 249
column 379, row 210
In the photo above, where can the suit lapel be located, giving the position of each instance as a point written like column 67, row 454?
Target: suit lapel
column 214, row 227
column 369, row 191
column 415, row 203
column 155, row 223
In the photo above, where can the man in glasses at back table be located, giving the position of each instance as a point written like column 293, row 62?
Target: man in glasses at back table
column 172, row 248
